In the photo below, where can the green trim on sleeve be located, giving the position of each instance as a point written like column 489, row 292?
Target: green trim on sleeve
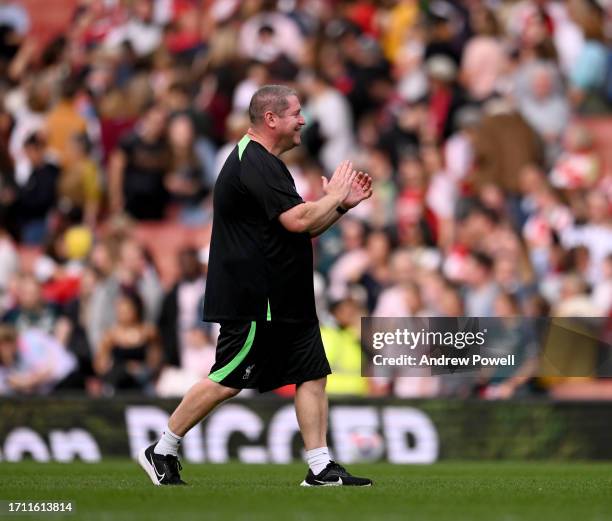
column 222, row 373
column 242, row 144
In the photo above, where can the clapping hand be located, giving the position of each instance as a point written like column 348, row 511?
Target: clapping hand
column 350, row 186
column 341, row 181
column 361, row 189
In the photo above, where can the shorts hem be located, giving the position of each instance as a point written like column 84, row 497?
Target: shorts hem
column 263, row 318
column 290, row 381
column 247, row 386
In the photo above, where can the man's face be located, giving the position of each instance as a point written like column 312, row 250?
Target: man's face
column 289, row 124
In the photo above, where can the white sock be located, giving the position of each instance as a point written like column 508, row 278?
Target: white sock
column 168, row 443
column 317, row 459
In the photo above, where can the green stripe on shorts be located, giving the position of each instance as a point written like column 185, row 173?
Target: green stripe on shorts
column 222, row 373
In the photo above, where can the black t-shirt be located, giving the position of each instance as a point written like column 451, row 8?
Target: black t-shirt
column 39, row 195
column 257, row 269
column 143, row 180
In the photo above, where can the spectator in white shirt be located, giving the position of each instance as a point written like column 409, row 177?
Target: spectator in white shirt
column 337, row 131
column 33, row 362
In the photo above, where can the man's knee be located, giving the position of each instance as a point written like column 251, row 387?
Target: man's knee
column 221, row 392
column 317, row 385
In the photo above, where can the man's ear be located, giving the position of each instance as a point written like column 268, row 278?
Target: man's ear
column 270, row 119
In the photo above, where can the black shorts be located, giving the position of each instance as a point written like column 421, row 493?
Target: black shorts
column 266, row 355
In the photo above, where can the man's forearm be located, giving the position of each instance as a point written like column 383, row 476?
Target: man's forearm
column 325, row 225
column 317, row 216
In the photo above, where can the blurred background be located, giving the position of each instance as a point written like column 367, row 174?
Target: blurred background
column 486, row 126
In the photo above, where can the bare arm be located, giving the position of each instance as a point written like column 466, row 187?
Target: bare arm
column 346, row 189
column 360, row 190
column 507, row 388
column 346, row 204
column 312, row 216
column 102, row 361
column 27, row 383
column 154, row 350
column 116, row 167
column 524, row 373
column 321, row 214
column 327, row 224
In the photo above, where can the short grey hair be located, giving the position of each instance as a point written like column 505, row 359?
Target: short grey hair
column 269, row 98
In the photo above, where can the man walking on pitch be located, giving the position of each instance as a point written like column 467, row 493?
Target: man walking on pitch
column 260, row 288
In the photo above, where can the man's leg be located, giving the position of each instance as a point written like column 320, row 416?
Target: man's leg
column 311, row 412
column 159, row 460
column 202, row 398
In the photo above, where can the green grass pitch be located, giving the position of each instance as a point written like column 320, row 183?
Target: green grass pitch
column 118, row 490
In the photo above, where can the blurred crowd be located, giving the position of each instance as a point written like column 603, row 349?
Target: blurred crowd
column 491, row 196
